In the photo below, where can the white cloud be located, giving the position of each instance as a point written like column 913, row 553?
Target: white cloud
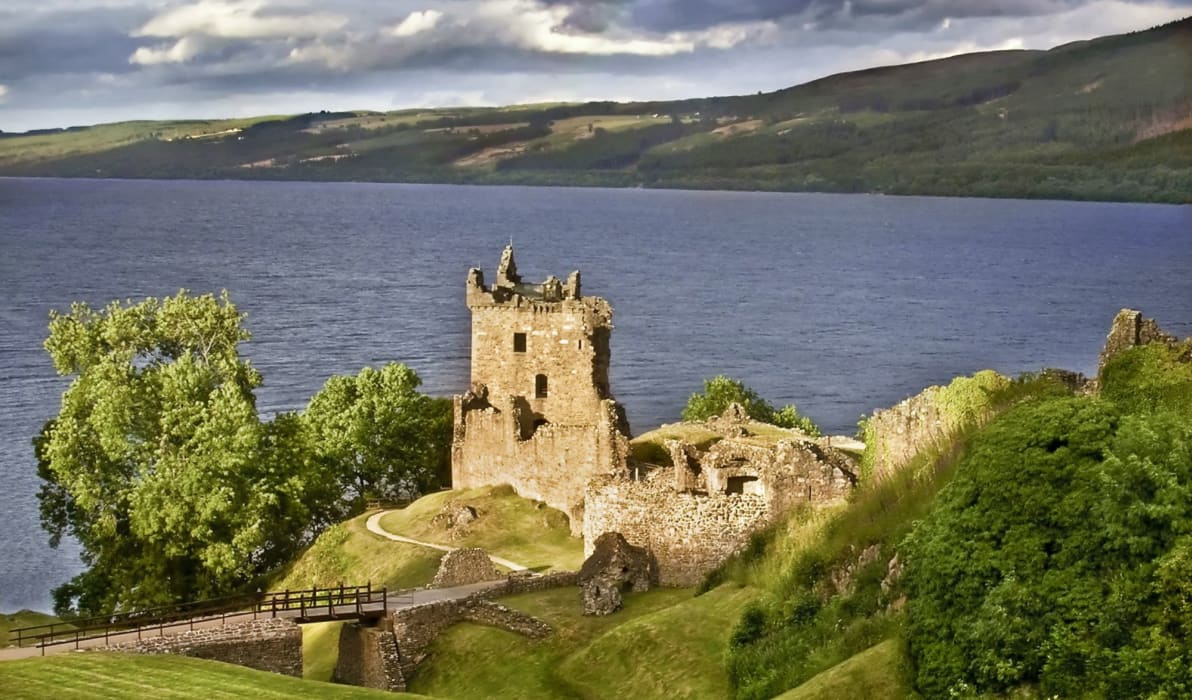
column 417, row 22
column 3, row 92
column 239, row 19
column 180, row 51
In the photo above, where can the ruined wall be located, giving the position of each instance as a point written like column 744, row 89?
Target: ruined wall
column 687, row 515
column 368, row 658
column 689, row 534
column 415, row 628
column 932, row 418
column 269, row 644
column 1130, row 329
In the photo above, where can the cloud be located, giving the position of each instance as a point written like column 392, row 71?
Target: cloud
column 417, row 22
column 95, row 59
column 180, row 51
column 3, row 92
column 240, row 19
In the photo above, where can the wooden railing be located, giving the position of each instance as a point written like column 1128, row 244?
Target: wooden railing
column 308, row 605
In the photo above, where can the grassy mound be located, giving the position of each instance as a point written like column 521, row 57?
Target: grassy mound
column 650, row 447
column 690, row 635
column 348, row 553
column 23, row 618
column 520, row 530
column 877, row 672
column 103, row 675
column 593, row 656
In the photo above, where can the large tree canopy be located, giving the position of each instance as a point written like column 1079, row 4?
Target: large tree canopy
column 157, row 462
column 379, row 434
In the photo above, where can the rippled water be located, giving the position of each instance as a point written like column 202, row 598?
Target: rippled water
column 838, row 303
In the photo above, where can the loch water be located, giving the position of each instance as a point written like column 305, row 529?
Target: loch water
column 840, row 304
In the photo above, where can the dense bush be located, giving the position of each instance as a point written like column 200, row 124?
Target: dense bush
column 1058, row 556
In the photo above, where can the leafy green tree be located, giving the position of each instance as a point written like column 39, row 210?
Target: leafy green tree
column 157, row 462
column 379, row 435
column 720, row 392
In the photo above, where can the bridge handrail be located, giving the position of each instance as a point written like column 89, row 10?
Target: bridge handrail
column 154, row 619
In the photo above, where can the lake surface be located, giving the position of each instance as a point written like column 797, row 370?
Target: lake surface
column 840, row 304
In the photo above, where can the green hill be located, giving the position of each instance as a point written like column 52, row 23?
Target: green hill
column 1105, row 119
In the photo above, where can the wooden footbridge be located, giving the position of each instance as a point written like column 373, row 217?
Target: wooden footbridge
column 310, row 605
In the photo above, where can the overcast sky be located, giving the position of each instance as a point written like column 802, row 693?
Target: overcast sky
column 67, row 62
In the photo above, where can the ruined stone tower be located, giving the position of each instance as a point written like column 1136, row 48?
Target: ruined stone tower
column 539, row 415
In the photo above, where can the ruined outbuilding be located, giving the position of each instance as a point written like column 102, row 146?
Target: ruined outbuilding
column 615, row 567
column 703, row 508
column 540, row 415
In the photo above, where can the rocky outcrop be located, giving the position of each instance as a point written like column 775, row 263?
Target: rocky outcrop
column 614, row 567
column 455, row 516
column 463, row 566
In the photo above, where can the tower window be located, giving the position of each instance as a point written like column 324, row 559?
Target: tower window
column 519, row 342
column 540, row 386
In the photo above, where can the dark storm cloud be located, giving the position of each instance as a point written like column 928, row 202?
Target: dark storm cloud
column 51, row 43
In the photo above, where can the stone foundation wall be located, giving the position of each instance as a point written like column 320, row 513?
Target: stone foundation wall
column 415, row 628
column 689, row 534
column 368, row 658
column 270, row 644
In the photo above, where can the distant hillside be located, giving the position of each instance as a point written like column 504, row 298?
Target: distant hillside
column 1106, row 119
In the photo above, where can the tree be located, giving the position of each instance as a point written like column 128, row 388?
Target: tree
column 157, row 462
column 379, row 435
column 720, row 392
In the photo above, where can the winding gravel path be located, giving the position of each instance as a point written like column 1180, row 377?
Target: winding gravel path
column 374, row 526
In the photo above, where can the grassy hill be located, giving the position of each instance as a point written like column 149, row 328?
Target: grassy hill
column 1104, row 119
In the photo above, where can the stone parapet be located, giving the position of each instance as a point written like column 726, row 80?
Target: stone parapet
column 269, row 644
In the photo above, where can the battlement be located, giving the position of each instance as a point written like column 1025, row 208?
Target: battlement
column 511, row 291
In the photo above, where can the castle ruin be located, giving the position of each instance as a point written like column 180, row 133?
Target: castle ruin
column 539, row 415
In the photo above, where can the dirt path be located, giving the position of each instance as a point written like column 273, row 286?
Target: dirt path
column 374, row 526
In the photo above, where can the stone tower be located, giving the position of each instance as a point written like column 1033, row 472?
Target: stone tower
column 539, row 415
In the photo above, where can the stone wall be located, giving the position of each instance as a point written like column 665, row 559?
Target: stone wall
column 460, row 567
column 702, row 510
column 1130, row 329
column 415, row 628
column 690, row 534
column 268, row 644
column 368, row 657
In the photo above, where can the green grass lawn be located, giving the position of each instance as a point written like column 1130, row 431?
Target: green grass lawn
column 105, row 675
column 518, row 529
column 23, row 618
column 606, row 656
column 877, row 672
column 348, row 553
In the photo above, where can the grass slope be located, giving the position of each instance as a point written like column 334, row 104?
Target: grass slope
column 348, row 553
column 103, row 675
column 320, row 650
column 520, row 530
column 474, row 661
column 689, row 637
column 877, row 672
